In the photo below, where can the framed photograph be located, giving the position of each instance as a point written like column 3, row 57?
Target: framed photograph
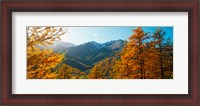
column 100, row 52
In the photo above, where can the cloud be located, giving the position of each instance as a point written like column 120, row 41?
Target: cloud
column 95, row 35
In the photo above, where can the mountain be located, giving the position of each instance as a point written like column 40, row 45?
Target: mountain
column 114, row 45
column 86, row 55
column 63, row 44
column 59, row 46
column 80, row 64
column 90, row 53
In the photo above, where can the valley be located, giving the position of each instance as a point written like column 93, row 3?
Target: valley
column 142, row 55
column 85, row 56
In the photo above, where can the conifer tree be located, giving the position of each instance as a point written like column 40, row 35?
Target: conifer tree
column 102, row 70
column 158, row 38
column 132, row 59
column 168, row 59
column 40, row 63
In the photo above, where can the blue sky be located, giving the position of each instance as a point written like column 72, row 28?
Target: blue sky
column 79, row 35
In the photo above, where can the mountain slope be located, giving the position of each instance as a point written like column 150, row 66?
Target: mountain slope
column 94, row 52
column 114, row 45
column 80, row 64
column 58, row 46
column 85, row 56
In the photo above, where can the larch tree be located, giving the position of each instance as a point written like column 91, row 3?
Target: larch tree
column 158, row 38
column 152, row 65
column 168, row 59
column 67, row 72
column 102, row 70
column 132, row 59
column 40, row 63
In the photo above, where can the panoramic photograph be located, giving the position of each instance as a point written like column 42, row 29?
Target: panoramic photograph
column 99, row 52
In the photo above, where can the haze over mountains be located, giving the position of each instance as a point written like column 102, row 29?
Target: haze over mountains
column 86, row 55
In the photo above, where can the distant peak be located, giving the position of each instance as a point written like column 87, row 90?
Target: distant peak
column 92, row 42
column 63, row 43
column 108, row 42
column 114, row 41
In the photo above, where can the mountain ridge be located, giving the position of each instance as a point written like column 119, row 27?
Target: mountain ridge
column 86, row 55
column 92, row 52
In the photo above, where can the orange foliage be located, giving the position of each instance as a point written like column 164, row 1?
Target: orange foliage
column 40, row 63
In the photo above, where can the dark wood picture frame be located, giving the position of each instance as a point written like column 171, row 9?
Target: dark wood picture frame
column 9, row 6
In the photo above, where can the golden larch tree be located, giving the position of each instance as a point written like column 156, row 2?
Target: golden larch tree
column 102, row 70
column 131, row 62
column 40, row 63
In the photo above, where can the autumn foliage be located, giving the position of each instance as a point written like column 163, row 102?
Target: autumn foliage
column 144, row 56
column 40, row 63
column 102, row 70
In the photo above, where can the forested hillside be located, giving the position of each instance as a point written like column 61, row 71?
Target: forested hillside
column 141, row 56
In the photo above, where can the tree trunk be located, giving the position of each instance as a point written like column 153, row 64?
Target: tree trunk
column 141, row 64
column 161, row 63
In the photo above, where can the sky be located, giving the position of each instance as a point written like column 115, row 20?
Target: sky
column 80, row 35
